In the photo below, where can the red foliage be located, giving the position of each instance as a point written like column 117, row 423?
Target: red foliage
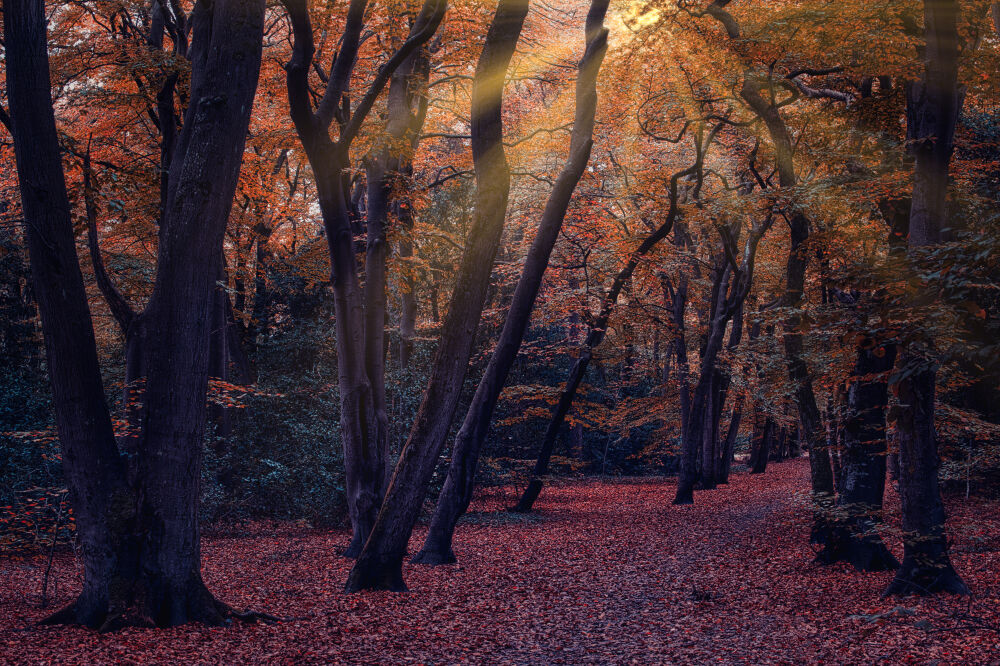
column 609, row 572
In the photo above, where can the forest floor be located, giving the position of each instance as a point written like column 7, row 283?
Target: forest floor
column 606, row 573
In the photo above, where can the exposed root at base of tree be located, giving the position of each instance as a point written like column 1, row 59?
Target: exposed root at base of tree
column 434, row 558
column 865, row 552
column 106, row 618
column 920, row 580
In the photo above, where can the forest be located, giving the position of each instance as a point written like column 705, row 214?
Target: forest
column 500, row 331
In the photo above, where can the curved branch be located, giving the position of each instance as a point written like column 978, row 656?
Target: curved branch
column 120, row 309
column 426, row 24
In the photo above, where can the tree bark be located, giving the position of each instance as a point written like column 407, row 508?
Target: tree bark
column 760, row 448
column 732, row 286
column 139, row 536
column 933, row 108
column 861, row 486
column 225, row 54
column 729, row 448
column 458, row 486
column 380, row 564
column 362, row 420
column 95, row 474
column 821, row 472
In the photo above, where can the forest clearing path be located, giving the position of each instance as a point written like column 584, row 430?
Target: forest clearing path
column 609, row 572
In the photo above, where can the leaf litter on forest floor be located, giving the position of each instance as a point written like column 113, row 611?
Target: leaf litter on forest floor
column 613, row 574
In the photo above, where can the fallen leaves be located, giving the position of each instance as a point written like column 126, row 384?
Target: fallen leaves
column 609, row 573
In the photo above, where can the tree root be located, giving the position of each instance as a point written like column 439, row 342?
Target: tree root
column 912, row 579
column 434, row 558
column 200, row 607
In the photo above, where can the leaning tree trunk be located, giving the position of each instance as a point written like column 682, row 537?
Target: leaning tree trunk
column 457, row 491
column 699, row 429
column 714, row 396
column 854, row 537
column 139, row 537
column 703, row 419
column 933, row 108
column 380, row 564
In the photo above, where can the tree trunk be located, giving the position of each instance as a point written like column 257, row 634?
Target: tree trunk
column 457, row 491
column 219, row 354
column 359, row 365
column 821, row 472
column 408, row 102
column 729, row 448
column 853, row 537
column 933, row 108
column 728, row 298
column 541, row 468
column 380, row 564
column 94, row 472
column 139, row 537
column 225, row 53
column 760, row 448
column 700, row 421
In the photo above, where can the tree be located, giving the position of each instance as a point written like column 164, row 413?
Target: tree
column 730, row 290
column 359, row 311
column 933, row 107
column 598, row 328
column 380, row 564
column 137, row 521
column 457, row 491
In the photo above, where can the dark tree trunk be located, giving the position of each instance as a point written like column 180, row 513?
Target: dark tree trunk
column 359, row 364
column 933, row 108
column 139, row 536
column 698, row 437
column 821, row 471
column 760, row 448
column 780, row 439
column 383, row 176
column 219, row 355
column 408, row 102
column 225, row 54
column 729, row 447
column 702, row 428
column 541, row 468
column 94, row 472
column 457, row 491
column 853, row 537
column 380, row 564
